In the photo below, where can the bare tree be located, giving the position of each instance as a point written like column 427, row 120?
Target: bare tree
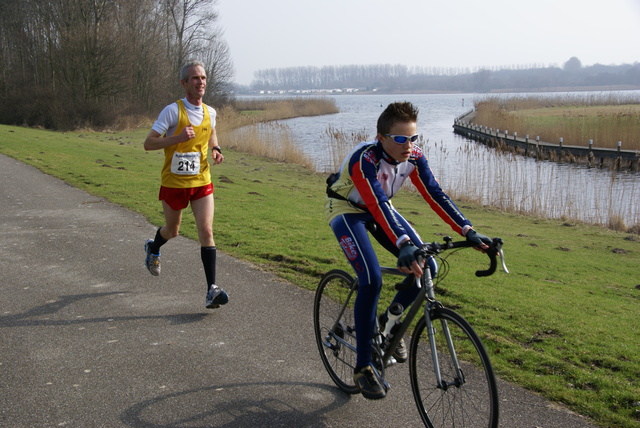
column 149, row 74
column 87, row 61
column 193, row 34
column 216, row 56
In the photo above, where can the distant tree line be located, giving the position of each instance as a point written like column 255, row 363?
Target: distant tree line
column 402, row 78
column 71, row 63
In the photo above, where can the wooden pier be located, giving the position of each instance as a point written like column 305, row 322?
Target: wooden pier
column 621, row 160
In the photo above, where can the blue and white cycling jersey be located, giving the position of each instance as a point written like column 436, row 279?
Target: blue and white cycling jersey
column 368, row 178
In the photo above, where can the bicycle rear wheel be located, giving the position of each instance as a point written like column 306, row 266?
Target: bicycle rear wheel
column 465, row 399
column 335, row 328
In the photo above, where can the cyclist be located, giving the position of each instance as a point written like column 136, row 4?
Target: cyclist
column 185, row 130
column 359, row 201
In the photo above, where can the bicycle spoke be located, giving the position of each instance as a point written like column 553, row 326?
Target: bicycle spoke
column 335, row 328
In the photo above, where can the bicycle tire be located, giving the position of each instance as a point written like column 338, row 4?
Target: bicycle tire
column 472, row 402
column 335, row 328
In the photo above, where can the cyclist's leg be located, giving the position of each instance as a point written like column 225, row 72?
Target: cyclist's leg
column 351, row 232
column 404, row 297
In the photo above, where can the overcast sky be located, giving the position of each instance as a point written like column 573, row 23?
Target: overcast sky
column 265, row 34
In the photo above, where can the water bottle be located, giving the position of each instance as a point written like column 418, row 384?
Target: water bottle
column 392, row 315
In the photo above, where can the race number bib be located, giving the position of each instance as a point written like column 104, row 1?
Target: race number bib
column 186, row 163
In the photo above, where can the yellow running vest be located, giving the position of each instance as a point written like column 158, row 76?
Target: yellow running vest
column 185, row 164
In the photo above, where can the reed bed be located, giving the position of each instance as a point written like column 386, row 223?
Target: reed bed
column 522, row 185
column 262, row 110
column 507, row 183
column 269, row 140
column 251, row 126
column 340, row 144
column 606, row 119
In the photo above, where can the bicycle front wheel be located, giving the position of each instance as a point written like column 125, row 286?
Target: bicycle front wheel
column 467, row 397
column 334, row 327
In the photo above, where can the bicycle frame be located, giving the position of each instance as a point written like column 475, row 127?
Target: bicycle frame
column 438, row 337
column 354, row 286
column 426, row 296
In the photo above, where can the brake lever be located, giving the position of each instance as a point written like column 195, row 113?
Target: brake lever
column 504, row 266
column 495, row 249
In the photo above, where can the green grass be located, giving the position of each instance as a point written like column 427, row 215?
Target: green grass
column 564, row 322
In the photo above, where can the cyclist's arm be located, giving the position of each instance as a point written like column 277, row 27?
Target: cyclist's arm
column 422, row 177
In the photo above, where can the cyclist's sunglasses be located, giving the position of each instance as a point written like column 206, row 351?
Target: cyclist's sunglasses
column 401, row 139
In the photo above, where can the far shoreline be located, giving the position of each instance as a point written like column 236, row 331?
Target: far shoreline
column 339, row 92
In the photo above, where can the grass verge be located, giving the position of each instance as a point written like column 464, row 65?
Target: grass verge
column 563, row 323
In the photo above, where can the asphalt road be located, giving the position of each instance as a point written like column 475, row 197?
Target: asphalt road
column 88, row 338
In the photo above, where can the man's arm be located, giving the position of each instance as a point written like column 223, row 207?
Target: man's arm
column 216, row 151
column 155, row 141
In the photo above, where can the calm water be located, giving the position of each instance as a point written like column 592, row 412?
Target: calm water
column 359, row 114
column 464, row 167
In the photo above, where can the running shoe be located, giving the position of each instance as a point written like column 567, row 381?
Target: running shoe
column 152, row 261
column 216, row 297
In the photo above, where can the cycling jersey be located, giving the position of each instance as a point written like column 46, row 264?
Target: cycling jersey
column 367, row 180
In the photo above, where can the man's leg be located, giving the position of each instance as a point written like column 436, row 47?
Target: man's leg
column 203, row 209
column 163, row 234
column 173, row 219
column 170, row 230
column 203, row 213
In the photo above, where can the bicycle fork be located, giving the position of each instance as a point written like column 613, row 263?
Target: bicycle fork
column 432, row 305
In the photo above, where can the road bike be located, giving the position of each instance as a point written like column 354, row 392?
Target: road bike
column 452, row 379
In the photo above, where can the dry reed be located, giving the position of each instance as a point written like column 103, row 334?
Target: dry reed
column 269, row 140
column 340, row 144
column 251, row 126
column 605, row 119
column 264, row 110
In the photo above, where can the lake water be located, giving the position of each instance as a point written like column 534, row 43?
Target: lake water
column 464, row 167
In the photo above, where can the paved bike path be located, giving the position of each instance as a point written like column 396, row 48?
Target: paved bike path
column 88, row 338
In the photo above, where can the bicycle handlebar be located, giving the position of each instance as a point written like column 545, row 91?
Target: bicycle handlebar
column 494, row 250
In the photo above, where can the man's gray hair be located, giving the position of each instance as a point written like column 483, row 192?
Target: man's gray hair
column 184, row 70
